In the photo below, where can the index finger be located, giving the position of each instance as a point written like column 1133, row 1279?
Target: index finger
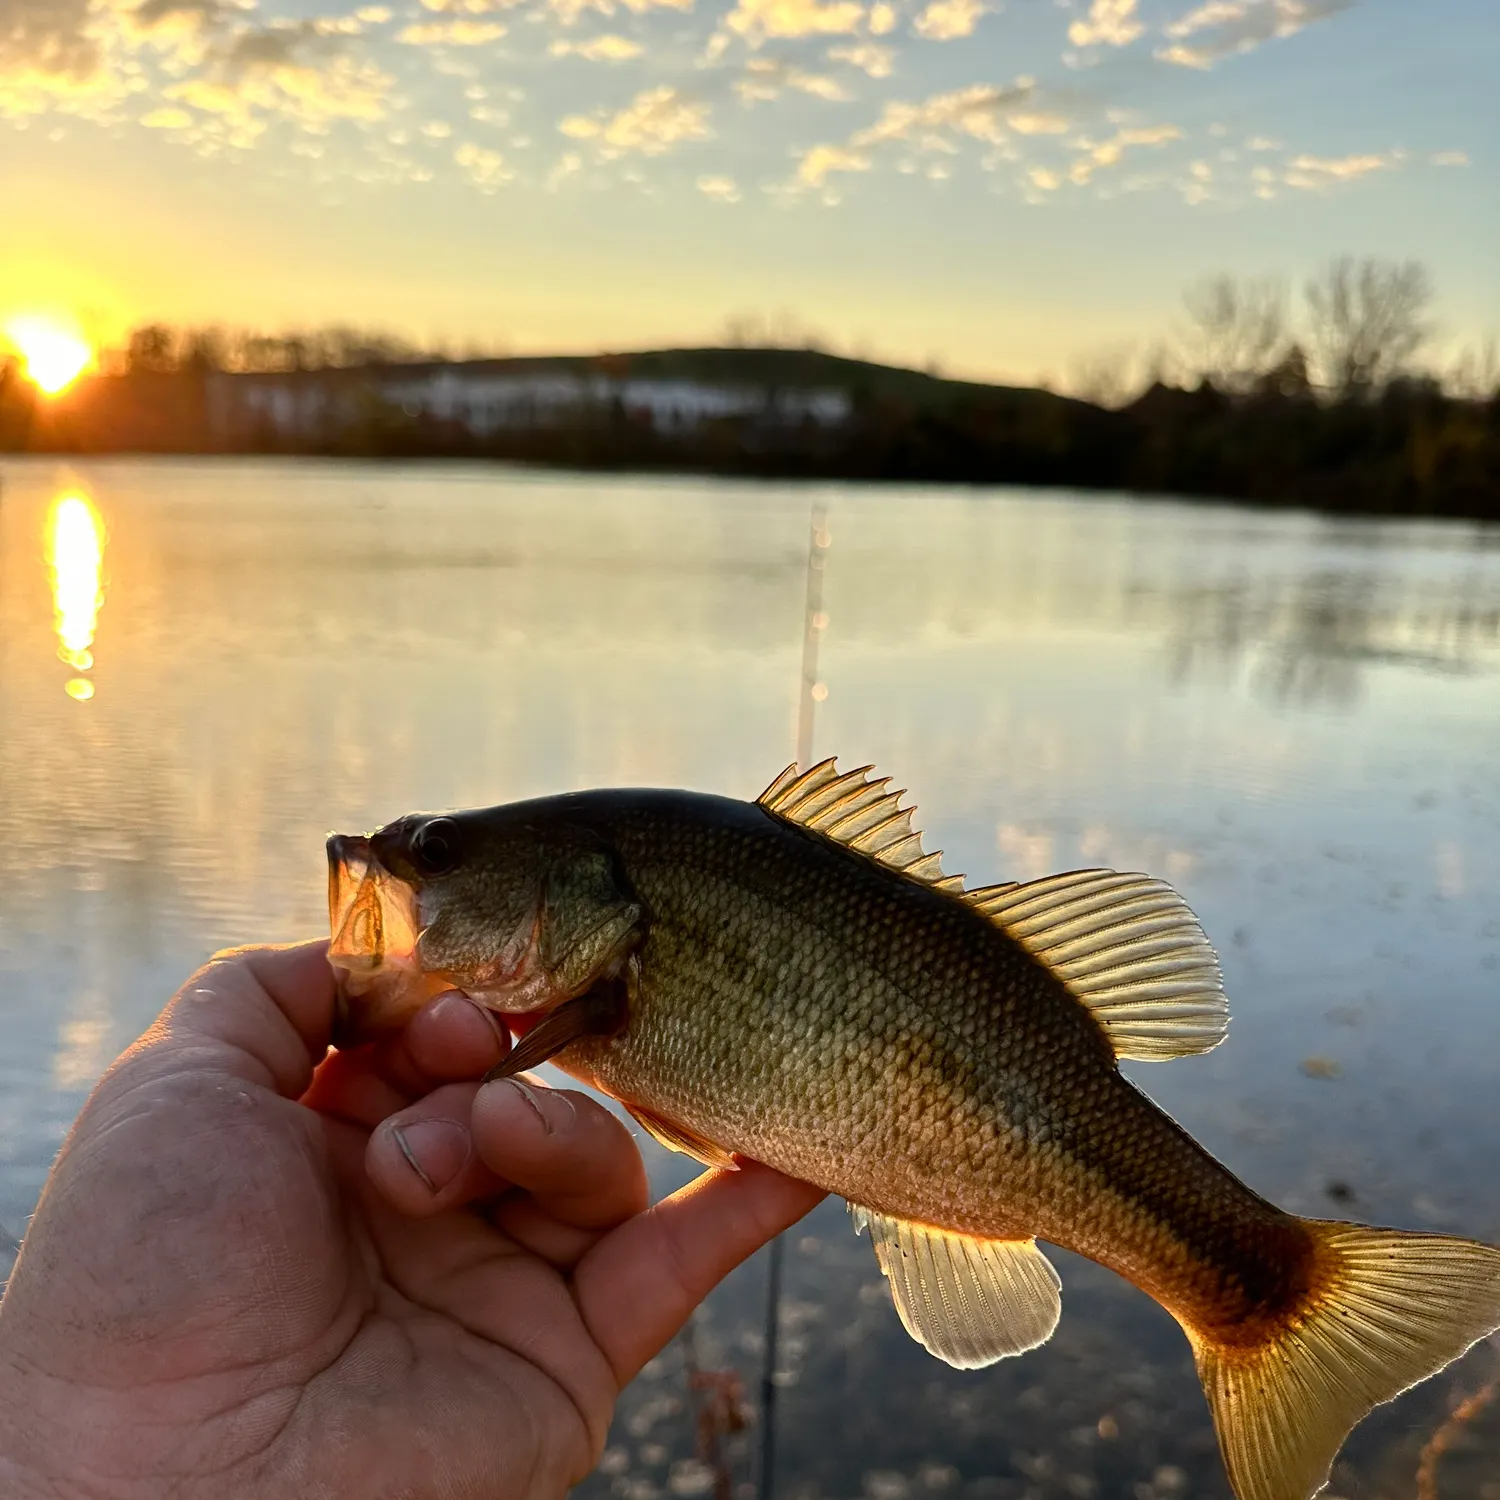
column 638, row 1285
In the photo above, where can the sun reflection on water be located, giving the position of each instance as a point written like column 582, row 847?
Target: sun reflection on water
column 75, row 556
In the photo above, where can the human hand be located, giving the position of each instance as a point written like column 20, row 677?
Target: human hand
column 256, row 1271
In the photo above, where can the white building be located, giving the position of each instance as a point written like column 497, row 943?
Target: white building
column 485, row 397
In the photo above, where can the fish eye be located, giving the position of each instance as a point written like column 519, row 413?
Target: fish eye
column 434, row 847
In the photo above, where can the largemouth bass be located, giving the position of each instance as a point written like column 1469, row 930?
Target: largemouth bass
column 795, row 981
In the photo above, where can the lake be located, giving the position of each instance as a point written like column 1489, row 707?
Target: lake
column 1296, row 720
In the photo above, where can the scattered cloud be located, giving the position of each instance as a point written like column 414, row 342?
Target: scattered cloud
column 758, row 20
column 1228, row 27
column 352, row 90
column 977, row 112
column 937, row 127
column 1109, row 23
column 765, row 78
column 606, row 48
column 167, row 118
column 456, row 33
column 570, row 11
column 946, row 20
column 1317, row 173
column 1025, row 122
column 299, row 73
column 483, row 167
column 868, row 57
column 813, row 169
column 1109, row 152
column 653, row 122
column 720, row 189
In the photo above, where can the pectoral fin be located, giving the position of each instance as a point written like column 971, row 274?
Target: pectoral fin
column 682, row 1140
column 968, row 1301
column 596, row 1012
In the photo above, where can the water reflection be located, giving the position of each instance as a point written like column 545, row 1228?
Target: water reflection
column 75, row 558
column 1310, row 639
column 1059, row 680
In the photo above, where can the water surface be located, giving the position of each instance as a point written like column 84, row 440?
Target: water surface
column 1296, row 720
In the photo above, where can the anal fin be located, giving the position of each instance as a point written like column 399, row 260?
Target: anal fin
column 682, row 1140
column 969, row 1301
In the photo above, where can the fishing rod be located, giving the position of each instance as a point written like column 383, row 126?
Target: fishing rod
column 810, row 692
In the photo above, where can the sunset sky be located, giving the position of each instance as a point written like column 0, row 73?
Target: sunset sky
column 1003, row 188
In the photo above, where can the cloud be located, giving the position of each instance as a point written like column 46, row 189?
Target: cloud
column 569, row 11
column 485, row 168
column 296, row 72
column 53, row 52
column 720, row 189
column 869, row 57
column 1449, row 158
column 1228, row 27
column 1108, row 153
column 653, row 122
column 1044, row 178
column 756, row 20
column 167, row 118
column 606, row 48
column 460, row 32
column 938, row 126
column 813, row 169
column 1317, row 173
column 977, row 112
column 945, row 20
column 1038, row 122
column 1111, row 23
column 765, row 78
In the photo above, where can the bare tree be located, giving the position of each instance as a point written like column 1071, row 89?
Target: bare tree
column 1366, row 320
column 1106, row 376
column 153, row 348
column 1238, row 329
column 1475, row 375
column 778, row 330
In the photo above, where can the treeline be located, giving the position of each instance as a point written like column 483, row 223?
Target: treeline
column 1360, row 325
column 159, row 349
column 1326, row 408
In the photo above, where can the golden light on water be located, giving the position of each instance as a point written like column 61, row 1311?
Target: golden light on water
column 54, row 354
column 75, row 556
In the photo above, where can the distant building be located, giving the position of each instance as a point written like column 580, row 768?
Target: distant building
column 486, row 397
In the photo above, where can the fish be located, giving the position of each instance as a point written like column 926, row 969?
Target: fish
column 794, row 981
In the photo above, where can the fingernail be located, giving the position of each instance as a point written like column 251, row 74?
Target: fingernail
column 554, row 1110
column 436, row 1150
column 502, row 1036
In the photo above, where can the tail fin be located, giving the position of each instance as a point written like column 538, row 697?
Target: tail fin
column 1389, row 1310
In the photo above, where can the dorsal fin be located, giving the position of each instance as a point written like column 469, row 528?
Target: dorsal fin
column 1129, row 948
column 856, row 810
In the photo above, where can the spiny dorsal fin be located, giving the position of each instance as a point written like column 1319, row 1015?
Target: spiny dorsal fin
column 1129, row 948
column 966, row 1300
column 856, row 810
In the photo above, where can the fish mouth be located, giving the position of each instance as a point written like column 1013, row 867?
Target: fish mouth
column 376, row 927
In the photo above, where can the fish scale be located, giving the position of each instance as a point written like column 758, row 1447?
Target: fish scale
column 795, row 982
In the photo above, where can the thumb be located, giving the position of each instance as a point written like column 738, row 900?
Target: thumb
column 264, row 1015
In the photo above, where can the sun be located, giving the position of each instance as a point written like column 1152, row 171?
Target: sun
column 54, row 353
